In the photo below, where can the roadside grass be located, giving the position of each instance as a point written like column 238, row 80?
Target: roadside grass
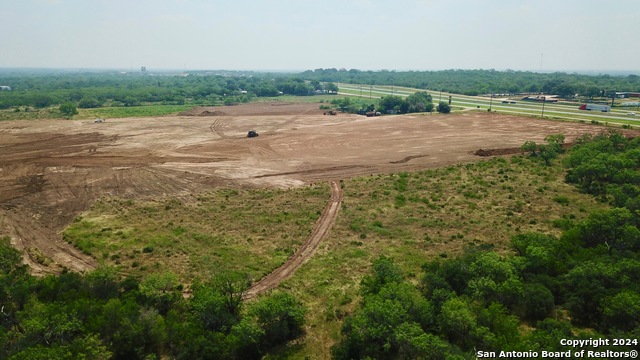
column 411, row 217
column 253, row 231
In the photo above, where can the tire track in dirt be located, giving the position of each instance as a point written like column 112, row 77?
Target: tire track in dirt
column 286, row 123
column 218, row 124
column 308, row 248
column 56, row 255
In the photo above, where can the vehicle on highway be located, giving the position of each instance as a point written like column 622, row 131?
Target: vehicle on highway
column 603, row 108
column 631, row 114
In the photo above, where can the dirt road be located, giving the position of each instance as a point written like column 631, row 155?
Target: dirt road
column 53, row 170
column 308, row 248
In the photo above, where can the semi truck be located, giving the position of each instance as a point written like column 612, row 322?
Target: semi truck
column 603, row 108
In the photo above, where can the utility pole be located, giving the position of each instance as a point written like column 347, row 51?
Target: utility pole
column 491, row 102
column 544, row 100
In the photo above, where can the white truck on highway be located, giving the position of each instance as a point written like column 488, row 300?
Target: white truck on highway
column 603, row 108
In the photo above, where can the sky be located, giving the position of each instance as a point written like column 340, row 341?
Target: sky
column 285, row 35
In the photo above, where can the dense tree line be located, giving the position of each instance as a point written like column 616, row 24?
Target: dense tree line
column 475, row 82
column 91, row 90
column 420, row 101
column 583, row 284
column 100, row 316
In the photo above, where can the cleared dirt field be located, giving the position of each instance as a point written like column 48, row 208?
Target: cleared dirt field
column 51, row 170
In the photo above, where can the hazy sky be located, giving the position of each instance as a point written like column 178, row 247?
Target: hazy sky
column 565, row 35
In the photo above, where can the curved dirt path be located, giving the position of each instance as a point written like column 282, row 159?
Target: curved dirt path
column 308, row 248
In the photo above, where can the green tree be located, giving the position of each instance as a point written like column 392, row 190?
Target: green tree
column 89, row 102
column 385, row 271
column 161, row 291
column 280, row 316
column 68, row 109
column 232, row 286
column 495, row 279
column 444, row 108
column 547, row 151
column 392, row 102
column 210, row 309
column 622, row 311
column 42, row 101
column 538, row 301
column 88, row 348
column 457, row 320
column 420, row 102
column 541, row 254
column 331, row 88
column 612, row 228
column 414, row 343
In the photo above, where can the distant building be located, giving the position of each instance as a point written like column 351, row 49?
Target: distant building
column 4, row 87
column 627, row 94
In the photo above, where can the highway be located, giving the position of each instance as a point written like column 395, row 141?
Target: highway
column 551, row 110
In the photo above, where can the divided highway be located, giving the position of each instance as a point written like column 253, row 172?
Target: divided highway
column 551, row 110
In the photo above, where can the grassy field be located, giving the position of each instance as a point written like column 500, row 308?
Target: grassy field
column 132, row 111
column 104, row 112
column 23, row 113
column 410, row 217
column 221, row 229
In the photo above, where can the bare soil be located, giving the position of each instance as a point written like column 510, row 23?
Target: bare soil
column 52, row 170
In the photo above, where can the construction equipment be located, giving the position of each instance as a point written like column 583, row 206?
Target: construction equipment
column 252, row 133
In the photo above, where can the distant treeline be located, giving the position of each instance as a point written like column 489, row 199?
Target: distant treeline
column 475, row 82
column 91, row 90
column 113, row 89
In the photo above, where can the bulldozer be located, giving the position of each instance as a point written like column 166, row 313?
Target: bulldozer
column 252, row 133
